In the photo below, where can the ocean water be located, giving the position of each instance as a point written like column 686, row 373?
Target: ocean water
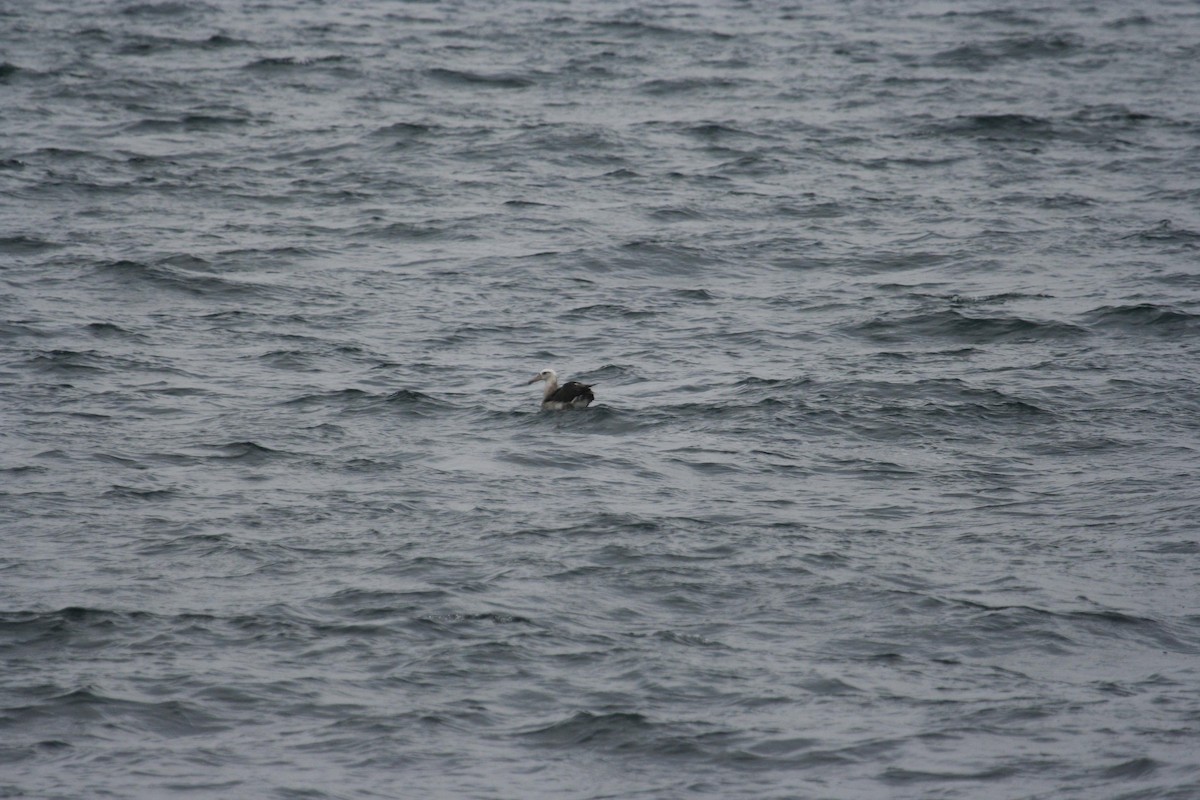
column 890, row 489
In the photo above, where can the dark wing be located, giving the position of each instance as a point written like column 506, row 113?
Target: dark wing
column 570, row 392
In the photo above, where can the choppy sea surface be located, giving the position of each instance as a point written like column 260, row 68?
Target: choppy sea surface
column 890, row 490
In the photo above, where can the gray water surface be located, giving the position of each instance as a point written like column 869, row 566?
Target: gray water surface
column 890, row 489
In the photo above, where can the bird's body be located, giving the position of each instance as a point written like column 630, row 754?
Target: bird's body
column 571, row 394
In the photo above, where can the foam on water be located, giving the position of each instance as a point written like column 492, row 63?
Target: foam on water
column 889, row 489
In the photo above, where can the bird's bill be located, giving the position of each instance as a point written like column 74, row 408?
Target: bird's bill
column 534, row 379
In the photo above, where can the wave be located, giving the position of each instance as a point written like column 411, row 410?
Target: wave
column 1108, row 125
column 618, row 729
column 716, row 131
column 1013, row 627
column 412, row 399
column 190, row 279
column 18, row 330
column 338, row 397
column 447, row 621
column 657, row 257
column 286, row 63
column 983, row 55
column 1111, row 113
column 359, row 602
column 1161, row 320
column 357, row 401
column 992, row 126
column 146, row 44
column 654, row 29
column 189, row 123
column 405, row 133
column 468, row 78
column 74, row 361
column 123, row 492
column 246, row 452
column 957, row 326
column 1166, row 231
column 21, row 245
column 110, row 330
column 607, row 311
column 167, row 8
column 87, row 706
column 676, row 86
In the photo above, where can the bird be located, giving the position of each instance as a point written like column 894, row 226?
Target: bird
column 571, row 394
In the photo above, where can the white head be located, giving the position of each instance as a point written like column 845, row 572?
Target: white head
column 548, row 375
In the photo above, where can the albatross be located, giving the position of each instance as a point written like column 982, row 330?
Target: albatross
column 571, row 394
